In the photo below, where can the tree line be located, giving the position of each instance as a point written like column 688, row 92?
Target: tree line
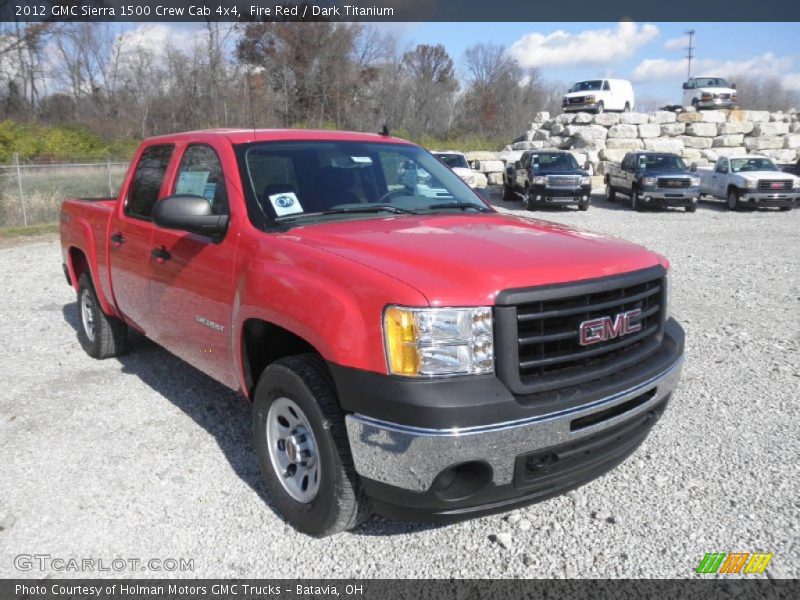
column 120, row 85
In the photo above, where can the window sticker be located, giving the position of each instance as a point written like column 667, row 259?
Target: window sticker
column 192, row 182
column 364, row 160
column 285, row 203
column 209, row 191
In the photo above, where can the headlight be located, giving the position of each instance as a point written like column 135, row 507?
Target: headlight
column 797, row 184
column 695, row 181
column 438, row 341
column 539, row 180
column 469, row 179
column 750, row 184
column 586, row 180
column 648, row 180
column 589, row 98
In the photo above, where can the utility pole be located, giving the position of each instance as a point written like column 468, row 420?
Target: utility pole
column 689, row 52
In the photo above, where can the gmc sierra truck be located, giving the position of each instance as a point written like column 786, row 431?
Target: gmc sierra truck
column 548, row 177
column 751, row 181
column 654, row 179
column 406, row 352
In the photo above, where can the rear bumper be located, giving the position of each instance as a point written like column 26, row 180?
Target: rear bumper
column 443, row 473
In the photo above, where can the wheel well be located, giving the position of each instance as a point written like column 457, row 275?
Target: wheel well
column 79, row 264
column 262, row 344
column 732, row 188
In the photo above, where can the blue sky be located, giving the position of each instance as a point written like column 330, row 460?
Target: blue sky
column 630, row 51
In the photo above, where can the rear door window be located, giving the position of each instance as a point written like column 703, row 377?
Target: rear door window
column 146, row 182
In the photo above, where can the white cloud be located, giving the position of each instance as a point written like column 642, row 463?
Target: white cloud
column 792, row 81
column 676, row 43
column 652, row 69
column 589, row 47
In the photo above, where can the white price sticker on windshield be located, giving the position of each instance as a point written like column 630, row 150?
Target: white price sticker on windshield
column 285, row 203
column 364, row 160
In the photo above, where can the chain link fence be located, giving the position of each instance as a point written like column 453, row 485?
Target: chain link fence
column 31, row 194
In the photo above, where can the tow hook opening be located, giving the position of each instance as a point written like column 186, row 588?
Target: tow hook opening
column 461, row 481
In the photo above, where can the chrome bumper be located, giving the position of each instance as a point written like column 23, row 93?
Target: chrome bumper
column 412, row 457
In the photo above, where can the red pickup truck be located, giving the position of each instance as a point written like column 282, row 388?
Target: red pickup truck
column 408, row 350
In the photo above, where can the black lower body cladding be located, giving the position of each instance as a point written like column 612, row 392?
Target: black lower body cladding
column 448, row 449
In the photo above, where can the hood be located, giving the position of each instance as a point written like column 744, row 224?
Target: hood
column 776, row 175
column 463, row 171
column 670, row 173
column 466, row 259
column 557, row 172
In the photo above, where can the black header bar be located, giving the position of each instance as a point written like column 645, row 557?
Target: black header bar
column 399, row 10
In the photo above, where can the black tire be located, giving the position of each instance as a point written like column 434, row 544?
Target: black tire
column 636, row 202
column 583, row 206
column 100, row 335
column 732, row 201
column 627, row 107
column 340, row 503
column 508, row 192
column 611, row 193
column 785, row 208
column 696, row 104
column 600, row 108
column 527, row 203
column 691, row 208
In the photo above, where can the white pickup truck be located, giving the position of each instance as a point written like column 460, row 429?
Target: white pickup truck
column 750, row 181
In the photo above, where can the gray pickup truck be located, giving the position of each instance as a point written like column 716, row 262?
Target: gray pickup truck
column 654, row 180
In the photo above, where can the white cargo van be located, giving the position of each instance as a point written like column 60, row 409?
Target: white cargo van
column 599, row 95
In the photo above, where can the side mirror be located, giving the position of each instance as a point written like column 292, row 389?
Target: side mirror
column 189, row 213
column 517, row 164
column 733, row 86
column 587, row 166
column 693, row 167
column 685, row 85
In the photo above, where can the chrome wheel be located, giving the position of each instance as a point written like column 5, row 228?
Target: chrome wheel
column 293, row 450
column 87, row 314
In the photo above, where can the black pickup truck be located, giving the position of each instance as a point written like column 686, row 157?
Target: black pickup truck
column 548, row 177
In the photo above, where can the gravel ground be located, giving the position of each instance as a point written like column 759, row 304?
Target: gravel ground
column 144, row 457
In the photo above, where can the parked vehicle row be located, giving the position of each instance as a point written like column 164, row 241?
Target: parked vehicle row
column 600, row 95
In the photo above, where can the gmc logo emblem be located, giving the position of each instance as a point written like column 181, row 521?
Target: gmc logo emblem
column 599, row 330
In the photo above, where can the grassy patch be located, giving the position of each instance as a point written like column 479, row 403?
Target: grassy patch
column 13, row 232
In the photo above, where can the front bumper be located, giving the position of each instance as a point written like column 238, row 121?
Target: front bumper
column 716, row 103
column 767, row 199
column 670, row 197
column 583, row 107
column 540, row 194
column 407, row 469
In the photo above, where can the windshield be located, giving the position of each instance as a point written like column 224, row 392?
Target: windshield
column 300, row 181
column 661, row 162
column 554, row 161
column 711, row 82
column 454, row 161
column 741, row 165
column 587, row 86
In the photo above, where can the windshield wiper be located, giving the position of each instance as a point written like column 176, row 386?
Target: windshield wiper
column 369, row 208
column 460, row 205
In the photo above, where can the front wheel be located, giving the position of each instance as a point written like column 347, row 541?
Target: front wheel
column 583, row 206
column 528, row 202
column 303, row 450
column 636, row 202
column 600, row 108
column 508, row 192
column 733, row 199
column 691, row 208
column 611, row 193
column 100, row 335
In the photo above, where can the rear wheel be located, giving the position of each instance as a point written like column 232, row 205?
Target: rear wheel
column 100, row 335
column 627, row 107
column 303, row 450
column 785, row 208
column 733, row 199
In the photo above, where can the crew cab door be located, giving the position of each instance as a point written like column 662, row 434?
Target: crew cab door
column 130, row 230
column 719, row 178
column 192, row 287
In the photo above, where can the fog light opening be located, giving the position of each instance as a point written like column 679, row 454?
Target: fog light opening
column 461, row 481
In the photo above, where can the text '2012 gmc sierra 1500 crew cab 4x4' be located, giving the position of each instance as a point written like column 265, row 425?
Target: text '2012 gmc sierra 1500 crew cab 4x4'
column 750, row 181
column 407, row 351
column 547, row 177
column 654, row 179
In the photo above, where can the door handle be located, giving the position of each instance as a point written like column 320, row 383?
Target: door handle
column 160, row 254
column 117, row 240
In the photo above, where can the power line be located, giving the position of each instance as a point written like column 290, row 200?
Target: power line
column 689, row 52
